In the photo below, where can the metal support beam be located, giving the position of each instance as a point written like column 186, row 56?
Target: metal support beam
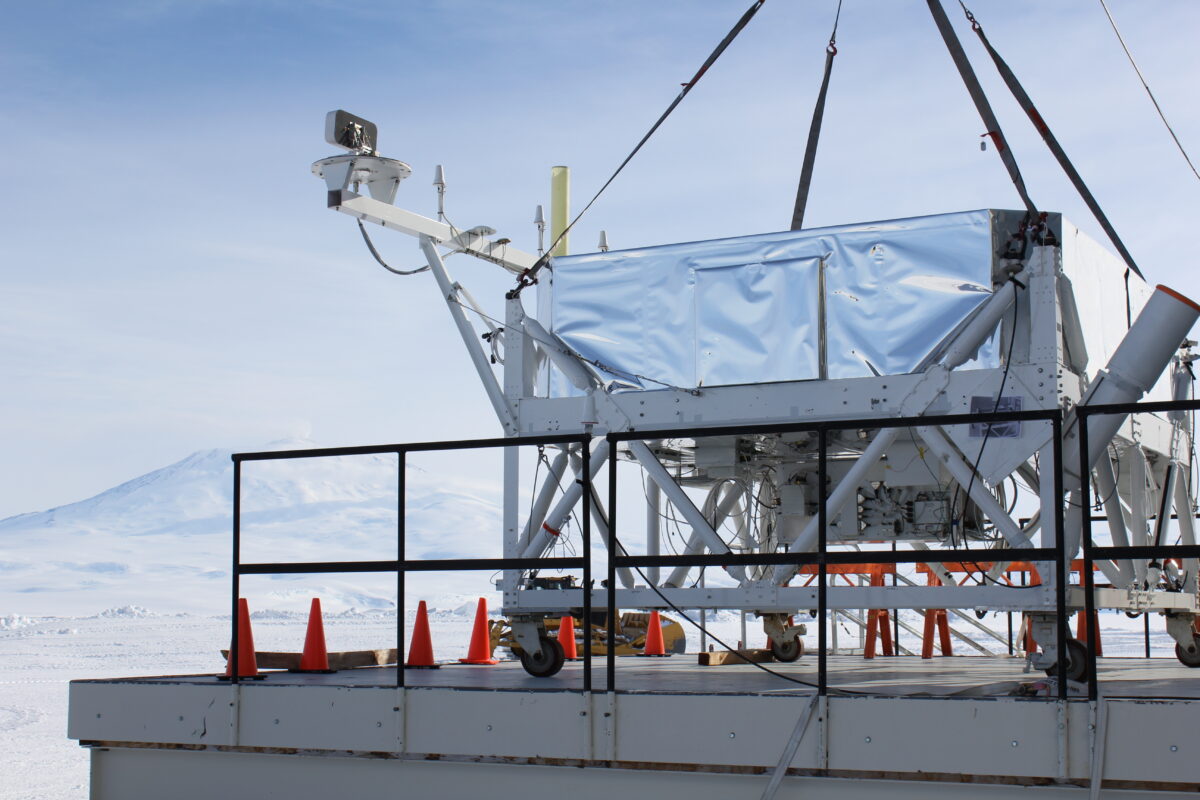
column 558, row 516
column 1106, row 484
column 541, row 504
column 370, row 210
column 676, row 495
column 979, row 492
column 653, row 529
column 695, row 542
column 470, row 340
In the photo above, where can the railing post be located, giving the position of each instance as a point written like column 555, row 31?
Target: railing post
column 822, row 542
column 402, row 468
column 1089, row 581
column 234, row 644
column 610, row 665
column 1060, row 549
column 585, row 448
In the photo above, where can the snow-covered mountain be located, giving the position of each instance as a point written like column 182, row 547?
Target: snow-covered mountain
column 162, row 541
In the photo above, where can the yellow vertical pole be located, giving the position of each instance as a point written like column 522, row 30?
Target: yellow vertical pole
column 560, row 208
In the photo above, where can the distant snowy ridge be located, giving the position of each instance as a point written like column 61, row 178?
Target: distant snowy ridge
column 160, row 543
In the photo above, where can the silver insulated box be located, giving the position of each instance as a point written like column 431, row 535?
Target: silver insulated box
column 848, row 301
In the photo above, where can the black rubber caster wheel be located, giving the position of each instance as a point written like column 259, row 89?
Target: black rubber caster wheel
column 787, row 651
column 547, row 661
column 1189, row 657
column 1077, row 661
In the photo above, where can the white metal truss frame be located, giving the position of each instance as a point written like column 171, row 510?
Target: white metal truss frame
column 1046, row 367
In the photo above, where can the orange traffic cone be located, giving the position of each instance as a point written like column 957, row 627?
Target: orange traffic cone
column 315, row 658
column 247, row 664
column 481, row 640
column 566, row 637
column 420, row 650
column 654, row 640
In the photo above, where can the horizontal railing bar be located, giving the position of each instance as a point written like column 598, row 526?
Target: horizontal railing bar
column 412, row 447
column 1139, row 408
column 451, row 564
column 418, row 565
column 299, row 567
column 1147, row 551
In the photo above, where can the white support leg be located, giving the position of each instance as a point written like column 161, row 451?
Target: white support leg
column 1138, row 515
column 653, row 529
column 1187, row 533
column 847, row 490
column 600, row 520
column 979, row 492
column 676, row 495
column 512, row 478
column 1106, row 484
column 541, row 504
column 558, row 516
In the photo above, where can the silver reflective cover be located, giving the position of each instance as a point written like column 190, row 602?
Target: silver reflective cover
column 1108, row 297
column 839, row 302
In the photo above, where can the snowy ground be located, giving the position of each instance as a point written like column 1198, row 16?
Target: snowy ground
column 39, row 655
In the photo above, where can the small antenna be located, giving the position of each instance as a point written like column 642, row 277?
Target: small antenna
column 539, row 219
column 439, row 180
column 603, row 242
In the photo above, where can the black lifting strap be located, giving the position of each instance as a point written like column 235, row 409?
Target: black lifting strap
column 529, row 276
column 814, row 130
column 1018, row 92
column 981, row 103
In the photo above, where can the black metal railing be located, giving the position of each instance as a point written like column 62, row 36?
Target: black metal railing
column 402, row 565
column 1155, row 552
column 821, row 557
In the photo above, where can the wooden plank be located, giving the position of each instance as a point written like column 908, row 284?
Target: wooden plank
column 722, row 657
column 343, row 660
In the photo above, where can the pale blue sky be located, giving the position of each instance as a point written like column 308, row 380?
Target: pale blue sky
column 170, row 279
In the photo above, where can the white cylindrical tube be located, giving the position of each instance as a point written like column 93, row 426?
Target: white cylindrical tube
column 541, row 505
column 653, row 529
column 558, row 515
column 1106, row 484
column 1187, row 532
column 1132, row 371
column 980, row 327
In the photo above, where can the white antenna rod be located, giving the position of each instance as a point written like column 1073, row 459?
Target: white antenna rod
column 439, row 180
column 603, row 241
column 539, row 219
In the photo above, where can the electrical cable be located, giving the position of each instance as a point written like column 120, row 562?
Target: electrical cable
column 1145, row 85
column 375, row 253
column 732, row 650
column 529, row 276
column 1012, row 338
